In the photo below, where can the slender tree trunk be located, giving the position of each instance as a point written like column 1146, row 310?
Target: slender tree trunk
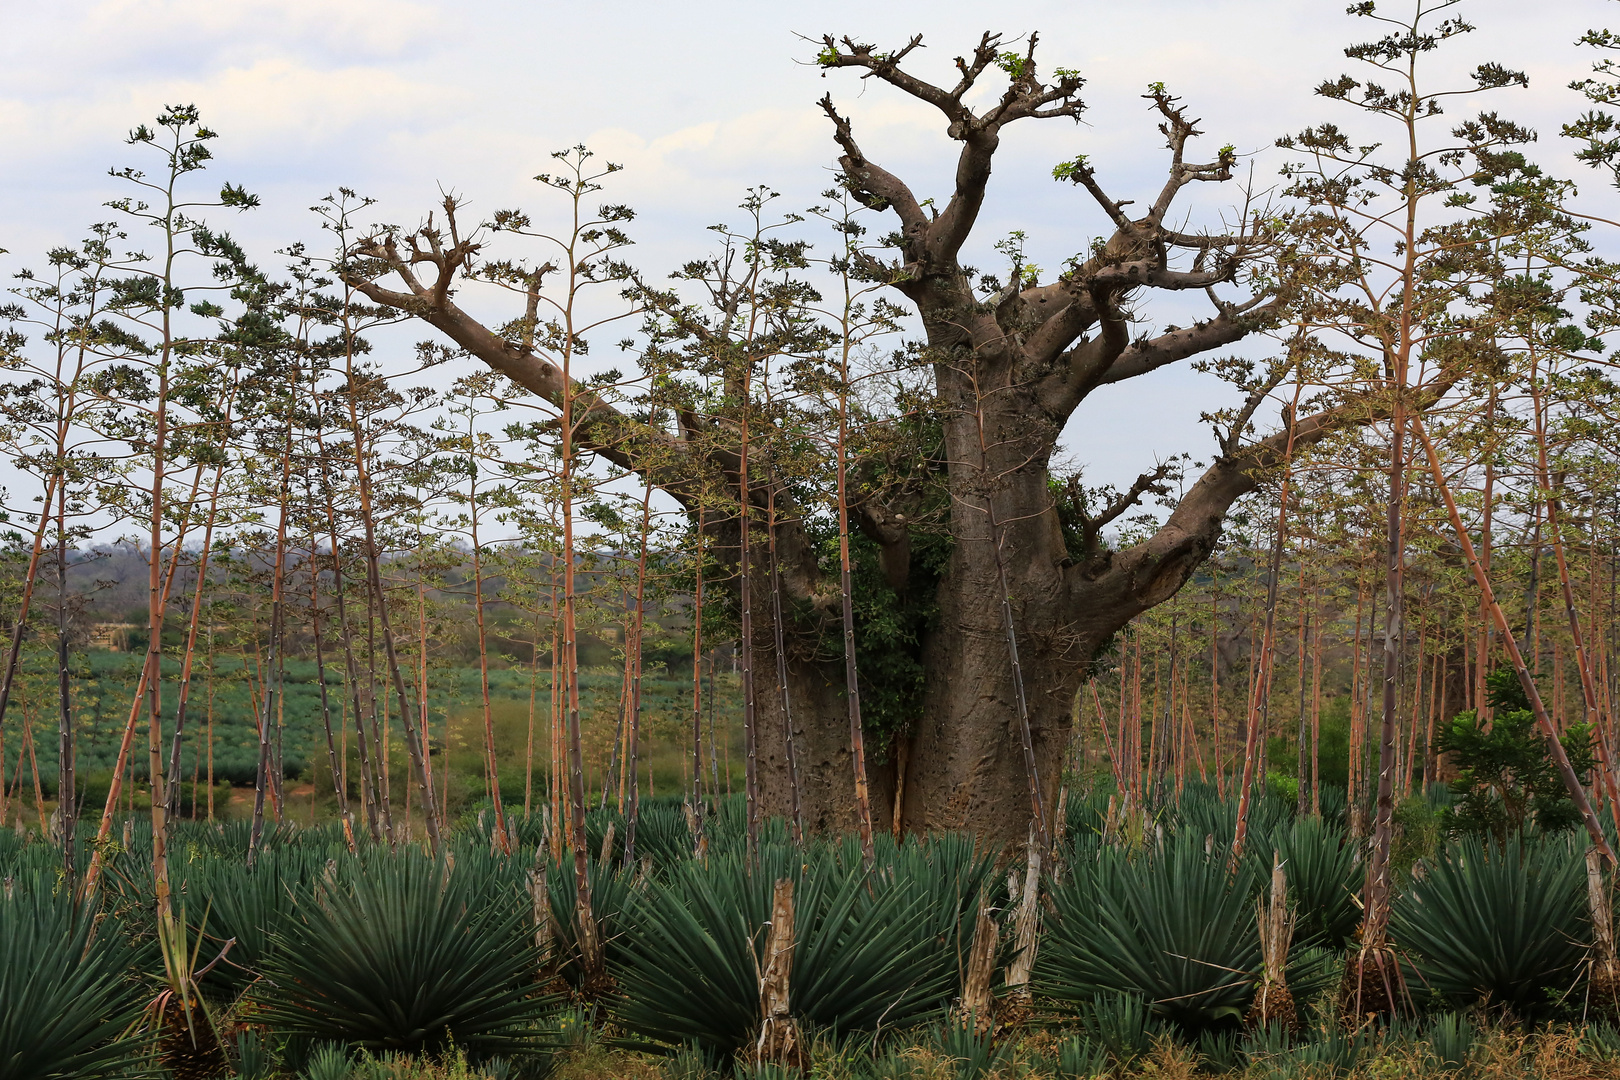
column 183, row 694
column 590, row 950
column 1215, row 680
column 422, row 673
column 852, row 682
column 1302, row 771
column 1589, row 698
column 67, row 792
column 413, row 738
column 632, row 808
column 1358, row 721
column 491, row 768
column 378, row 820
column 30, row 576
column 1316, row 725
column 1376, row 891
column 1486, row 645
column 1260, row 702
column 745, row 647
column 33, row 762
column 273, row 665
column 339, row 766
column 155, row 605
column 1436, row 677
column 210, row 717
column 697, row 688
column 1532, row 593
column 795, row 801
column 122, row 763
column 534, row 684
column 1572, row 782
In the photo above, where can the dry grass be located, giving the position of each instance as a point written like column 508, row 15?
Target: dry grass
column 1498, row 1054
column 399, row 1067
column 598, row 1062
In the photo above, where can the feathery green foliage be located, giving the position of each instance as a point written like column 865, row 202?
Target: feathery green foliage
column 248, row 906
column 1505, row 776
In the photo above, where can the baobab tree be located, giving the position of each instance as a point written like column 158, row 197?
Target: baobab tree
column 1016, row 618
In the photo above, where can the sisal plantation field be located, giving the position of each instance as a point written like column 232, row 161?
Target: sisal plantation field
column 225, row 708
column 1100, row 561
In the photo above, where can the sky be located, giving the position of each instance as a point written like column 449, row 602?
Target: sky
column 401, row 100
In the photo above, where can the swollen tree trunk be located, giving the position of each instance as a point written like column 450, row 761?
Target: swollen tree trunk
column 1032, row 777
column 1036, row 352
column 967, row 765
column 1010, row 369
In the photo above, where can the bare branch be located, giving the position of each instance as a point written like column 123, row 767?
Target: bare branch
column 1153, row 353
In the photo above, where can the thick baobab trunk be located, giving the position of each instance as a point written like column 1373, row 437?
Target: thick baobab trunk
column 966, row 763
column 964, row 756
column 823, row 764
column 965, row 767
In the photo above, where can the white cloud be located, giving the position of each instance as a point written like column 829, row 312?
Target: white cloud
column 357, row 28
column 698, row 100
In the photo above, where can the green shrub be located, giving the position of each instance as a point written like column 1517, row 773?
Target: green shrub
column 1499, row 925
column 1174, row 927
column 406, row 958
column 1324, row 880
column 872, row 947
column 68, row 994
column 1505, row 774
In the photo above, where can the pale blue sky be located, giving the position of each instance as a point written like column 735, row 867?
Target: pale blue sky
column 699, row 99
